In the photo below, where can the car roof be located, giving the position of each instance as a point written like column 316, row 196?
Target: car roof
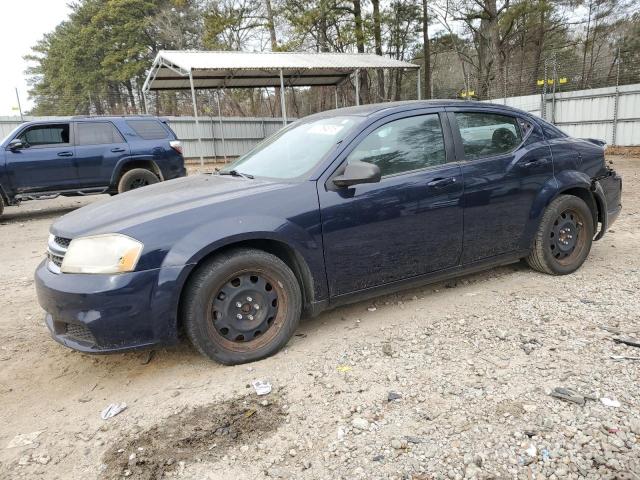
column 89, row 118
column 376, row 108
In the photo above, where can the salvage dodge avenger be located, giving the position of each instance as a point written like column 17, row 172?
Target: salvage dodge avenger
column 337, row 207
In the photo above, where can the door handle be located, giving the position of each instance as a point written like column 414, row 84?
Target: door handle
column 65, row 154
column 117, row 150
column 441, row 182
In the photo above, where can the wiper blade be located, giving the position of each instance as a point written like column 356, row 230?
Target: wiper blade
column 235, row 173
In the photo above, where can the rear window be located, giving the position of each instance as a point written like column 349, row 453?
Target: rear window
column 97, row 133
column 551, row 131
column 148, row 129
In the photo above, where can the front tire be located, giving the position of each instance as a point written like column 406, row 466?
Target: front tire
column 564, row 237
column 241, row 306
column 136, row 178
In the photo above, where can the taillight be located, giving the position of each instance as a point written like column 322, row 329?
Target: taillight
column 176, row 145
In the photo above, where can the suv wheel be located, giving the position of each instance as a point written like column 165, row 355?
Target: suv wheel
column 564, row 238
column 136, row 178
column 241, row 306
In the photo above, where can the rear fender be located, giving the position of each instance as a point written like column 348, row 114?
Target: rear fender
column 563, row 182
column 146, row 161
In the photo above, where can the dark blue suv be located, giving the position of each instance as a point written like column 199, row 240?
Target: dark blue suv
column 336, row 207
column 86, row 155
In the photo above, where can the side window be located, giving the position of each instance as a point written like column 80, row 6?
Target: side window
column 551, row 132
column 97, row 133
column 46, row 135
column 148, row 129
column 487, row 134
column 403, row 145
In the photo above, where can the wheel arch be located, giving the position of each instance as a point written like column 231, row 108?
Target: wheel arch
column 129, row 164
column 289, row 255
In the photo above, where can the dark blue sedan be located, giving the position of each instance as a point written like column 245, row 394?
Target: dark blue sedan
column 337, row 207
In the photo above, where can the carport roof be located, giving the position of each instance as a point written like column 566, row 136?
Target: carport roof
column 213, row 69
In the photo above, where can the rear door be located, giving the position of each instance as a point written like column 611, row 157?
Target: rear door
column 505, row 164
column 47, row 163
column 99, row 147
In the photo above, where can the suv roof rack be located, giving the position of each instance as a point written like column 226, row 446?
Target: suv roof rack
column 77, row 117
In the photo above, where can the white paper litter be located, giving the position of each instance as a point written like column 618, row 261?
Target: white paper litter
column 261, row 387
column 24, row 439
column 112, row 410
column 607, row 402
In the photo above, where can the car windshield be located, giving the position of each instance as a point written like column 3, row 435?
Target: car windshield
column 294, row 150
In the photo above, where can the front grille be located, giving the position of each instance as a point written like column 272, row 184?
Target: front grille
column 80, row 333
column 56, row 250
column 62, row 242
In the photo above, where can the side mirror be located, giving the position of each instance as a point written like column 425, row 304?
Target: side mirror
column 17, row 144
column 356, row 173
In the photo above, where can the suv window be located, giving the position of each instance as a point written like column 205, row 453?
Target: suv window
column 487, row 134
column 148, row 129
column 403, row 145
column 40, row 135
column 97, row 133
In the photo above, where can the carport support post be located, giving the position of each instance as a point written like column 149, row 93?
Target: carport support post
column 195, row 114
column 336, row 95
column 357, row 86
column 224, row 147
column 283, row 102
column 419, row 86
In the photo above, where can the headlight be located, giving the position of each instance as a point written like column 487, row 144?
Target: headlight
column 113, row 253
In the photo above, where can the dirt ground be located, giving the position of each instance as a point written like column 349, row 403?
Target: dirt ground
column 447, row 381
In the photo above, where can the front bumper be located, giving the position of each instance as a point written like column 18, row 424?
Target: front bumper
column 110, row 313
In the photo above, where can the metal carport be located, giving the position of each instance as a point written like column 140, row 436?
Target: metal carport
column 202, row 70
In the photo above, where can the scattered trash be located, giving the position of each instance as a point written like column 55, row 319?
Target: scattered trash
column 632, row 342
column 24, row 440
column 532, row 451
column 414, row 440
column 607, row 402
column 610, row 329
column 568, row 395
column 360, row 423
column 372, row 309
column 623, row 357
column 393, row 396
column 261, row 387
column 148, row 357
column 387, row 349
column 249, row 413
column 112, row 410
column 545, row 455
column 343, row 368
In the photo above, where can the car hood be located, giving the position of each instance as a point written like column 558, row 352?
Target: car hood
column 146, row 204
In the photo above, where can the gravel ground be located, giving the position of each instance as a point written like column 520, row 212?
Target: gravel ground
column 449, row 381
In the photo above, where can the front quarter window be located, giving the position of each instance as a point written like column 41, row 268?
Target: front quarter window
column 295, row 150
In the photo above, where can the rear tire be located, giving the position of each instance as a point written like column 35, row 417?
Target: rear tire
column 241, row 306
column 136, row 178
column 564, row 237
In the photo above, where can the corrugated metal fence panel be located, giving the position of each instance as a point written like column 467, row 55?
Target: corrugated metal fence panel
column 583, row 113
column 590, row 113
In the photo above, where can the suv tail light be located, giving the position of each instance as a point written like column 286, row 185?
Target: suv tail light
column 176, row 145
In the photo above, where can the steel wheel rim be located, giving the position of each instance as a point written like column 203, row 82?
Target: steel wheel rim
column 137, row 183
column 567, row 236
column 246, row 310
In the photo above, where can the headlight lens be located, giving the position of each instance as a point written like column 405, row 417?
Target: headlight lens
column 112, row 253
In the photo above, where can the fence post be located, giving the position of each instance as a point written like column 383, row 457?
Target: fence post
column 555, row 80
column 504, row 83
column 543, row 99
column 616, row 101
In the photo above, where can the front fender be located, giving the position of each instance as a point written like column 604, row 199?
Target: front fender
column 212, row 236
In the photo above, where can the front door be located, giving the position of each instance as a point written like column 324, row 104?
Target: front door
column 99, row 147
column 47, row 161
column 505, row 165
column 408, row 224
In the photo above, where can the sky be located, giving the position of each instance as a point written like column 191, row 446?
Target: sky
column 24, row 22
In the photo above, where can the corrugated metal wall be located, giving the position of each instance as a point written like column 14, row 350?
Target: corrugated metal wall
column 583, row 113
column 589, row 113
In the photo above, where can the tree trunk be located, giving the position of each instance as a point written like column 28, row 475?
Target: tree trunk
column 274, row 44
column 586, row 45
column 377, row 37
column 364, row 81
column 426, row 53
